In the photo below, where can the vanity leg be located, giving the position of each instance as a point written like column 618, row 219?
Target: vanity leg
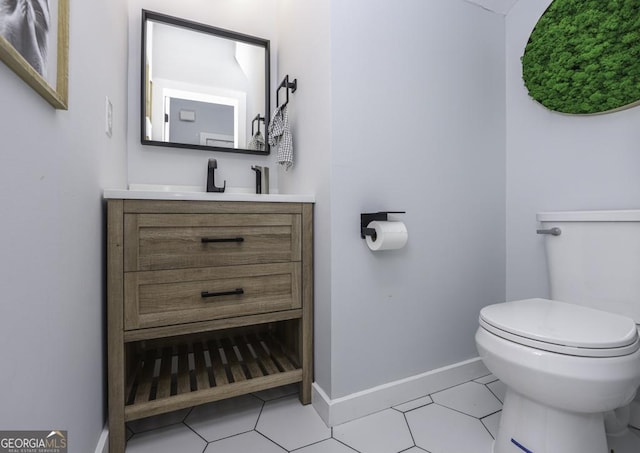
column 115, row 325
column 117, row 438
column 306, row 327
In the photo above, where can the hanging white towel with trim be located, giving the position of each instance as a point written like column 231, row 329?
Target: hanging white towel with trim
column 280, row 136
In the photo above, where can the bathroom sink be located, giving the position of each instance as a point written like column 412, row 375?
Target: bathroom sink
column 166, row 188
column 176, row 188
column 197, row 193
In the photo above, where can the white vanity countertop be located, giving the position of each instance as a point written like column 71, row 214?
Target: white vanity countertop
column 140, row 192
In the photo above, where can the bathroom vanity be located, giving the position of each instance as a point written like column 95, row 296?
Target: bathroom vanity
column 209, row 297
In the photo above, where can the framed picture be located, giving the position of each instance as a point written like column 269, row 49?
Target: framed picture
column 34, row 43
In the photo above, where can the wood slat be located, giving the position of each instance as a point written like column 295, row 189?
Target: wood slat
column 164, row 380
column 183, row 384
column 219, row 372
column 247, row 358
column 235, row 360
column 263, row 357
column 234, row 364
column 146, row 378
column 178, row 402
column 202, row 377
column 281, row 348
column 276, row 353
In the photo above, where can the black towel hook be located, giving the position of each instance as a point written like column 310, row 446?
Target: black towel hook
column 293, row 86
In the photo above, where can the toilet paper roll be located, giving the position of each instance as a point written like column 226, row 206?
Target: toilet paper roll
column 389, row 235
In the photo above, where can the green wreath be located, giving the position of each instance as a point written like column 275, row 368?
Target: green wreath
column 583, row 56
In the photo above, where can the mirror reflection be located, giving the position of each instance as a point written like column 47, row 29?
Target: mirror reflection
column 203, row 87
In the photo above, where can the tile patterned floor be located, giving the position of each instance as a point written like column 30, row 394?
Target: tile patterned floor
column 463, row 418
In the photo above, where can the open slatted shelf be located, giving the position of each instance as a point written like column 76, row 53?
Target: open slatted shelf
column 176, row 376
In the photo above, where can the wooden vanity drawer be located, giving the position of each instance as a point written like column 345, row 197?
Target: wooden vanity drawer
column 180, row 241
column 160, row 298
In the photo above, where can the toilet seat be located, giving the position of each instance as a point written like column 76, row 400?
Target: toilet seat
column 562, row 328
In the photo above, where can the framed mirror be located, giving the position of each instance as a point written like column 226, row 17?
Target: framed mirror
column 203, row 87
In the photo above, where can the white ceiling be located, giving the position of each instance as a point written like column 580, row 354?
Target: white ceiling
column 496, row 6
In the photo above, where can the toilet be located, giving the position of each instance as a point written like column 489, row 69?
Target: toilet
column 571, row 364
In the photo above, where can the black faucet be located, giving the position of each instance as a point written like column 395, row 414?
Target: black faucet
column 211, row 183
column 258, row 171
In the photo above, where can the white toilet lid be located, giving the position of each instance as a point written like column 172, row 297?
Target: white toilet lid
column 561, row 327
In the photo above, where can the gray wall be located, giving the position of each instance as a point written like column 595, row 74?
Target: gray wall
column 209, row 117
column 557, row 162
column 304, row 36
column 412, row 105
column 417, row 125
column 53, row 167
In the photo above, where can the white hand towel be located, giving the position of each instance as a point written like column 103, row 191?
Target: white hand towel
column 280, row 136
column 257, row 142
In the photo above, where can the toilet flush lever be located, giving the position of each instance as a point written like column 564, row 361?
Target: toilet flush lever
column 555, row 231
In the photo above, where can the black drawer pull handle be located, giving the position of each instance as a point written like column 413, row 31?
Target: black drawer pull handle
column 236, row 291
column 208, row 240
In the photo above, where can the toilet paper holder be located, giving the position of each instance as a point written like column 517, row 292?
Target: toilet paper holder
column 368, row 217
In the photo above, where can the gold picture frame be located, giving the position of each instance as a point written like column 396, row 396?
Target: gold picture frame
column 56, row 96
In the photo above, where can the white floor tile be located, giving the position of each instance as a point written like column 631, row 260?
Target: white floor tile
column 414, row 404
column 491, row 422
column 438, row 429
column 225, row 418
column 383, row 432
column 274, row 421
column 250, row 442
column 290, row 424
column 471, row 398
column 498, row 388
column 167, row 440
column 158, row 421
column 326, row 446
column 486, row 379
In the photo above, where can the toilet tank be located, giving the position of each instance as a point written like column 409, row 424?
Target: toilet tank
column 595, row 261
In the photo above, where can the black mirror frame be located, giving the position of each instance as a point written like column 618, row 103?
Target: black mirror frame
column 171, row 20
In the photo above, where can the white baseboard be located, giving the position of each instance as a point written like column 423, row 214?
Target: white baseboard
column 103, row 440
column 341, row 410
